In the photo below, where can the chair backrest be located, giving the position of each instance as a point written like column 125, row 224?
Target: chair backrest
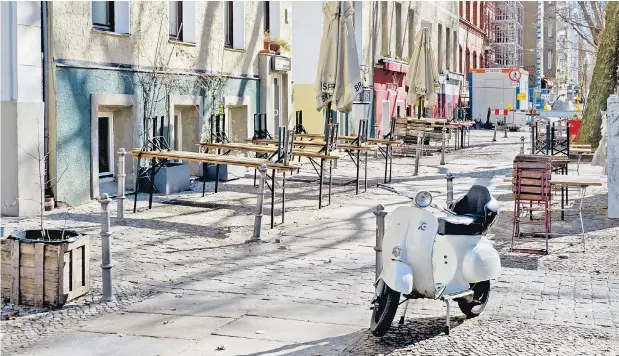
column 531, row 178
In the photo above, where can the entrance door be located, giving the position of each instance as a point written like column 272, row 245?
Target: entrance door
column 277, row 104
column 385, row 117
column 106, row 146
column 178, row 131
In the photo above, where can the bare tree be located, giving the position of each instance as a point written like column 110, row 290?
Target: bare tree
column 585, row 17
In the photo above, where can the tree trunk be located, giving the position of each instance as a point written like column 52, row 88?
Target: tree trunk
column 604, row 77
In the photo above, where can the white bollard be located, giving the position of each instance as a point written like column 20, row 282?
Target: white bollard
column 380, row 214
column 106, row 254
column 260, row 204
column 417, row 155
column 120, row 176
column 521, row 145
column 443, row 147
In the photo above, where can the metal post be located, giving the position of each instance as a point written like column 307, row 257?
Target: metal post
column 504, row 127
column 521, row 145
column 417, row 153
column 260, row 204
column 450, row 188
column 380, row 214
column 120, row 194
column 496, row 123
column 106, row 254
column 443, row 147
column 376, row 135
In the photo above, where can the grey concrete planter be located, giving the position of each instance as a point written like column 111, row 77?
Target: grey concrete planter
column 226, row 172
column 173, row 178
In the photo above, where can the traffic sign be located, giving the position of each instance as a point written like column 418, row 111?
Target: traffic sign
column 514, row 75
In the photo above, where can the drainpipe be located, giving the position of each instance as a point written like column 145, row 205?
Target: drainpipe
column 45, row 43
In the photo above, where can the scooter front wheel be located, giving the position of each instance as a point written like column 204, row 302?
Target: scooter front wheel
column 384, row 311
column 481, row 295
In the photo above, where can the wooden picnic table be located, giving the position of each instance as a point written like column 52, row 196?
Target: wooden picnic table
column 216, row 159
column 268, row 149
column 362, row 148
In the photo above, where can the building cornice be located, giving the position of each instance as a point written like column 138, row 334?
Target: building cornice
column 469, row 26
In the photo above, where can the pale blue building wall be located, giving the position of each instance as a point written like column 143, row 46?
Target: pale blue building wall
column 73, row 89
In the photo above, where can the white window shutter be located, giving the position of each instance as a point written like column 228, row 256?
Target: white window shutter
column 238, row 23
column 189, row 21
column 274, row 18
column 122, row 18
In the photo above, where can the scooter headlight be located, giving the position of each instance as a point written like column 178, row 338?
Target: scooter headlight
column 423, row 199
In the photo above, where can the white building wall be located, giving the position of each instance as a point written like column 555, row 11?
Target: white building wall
column 307, row 29
column 22, row 147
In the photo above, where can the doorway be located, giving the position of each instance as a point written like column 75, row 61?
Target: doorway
column 385, row 117
column 106, row 146
column 277, row 103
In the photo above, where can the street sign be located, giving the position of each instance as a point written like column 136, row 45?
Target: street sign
column 521, row 96
column 515, row 84
column 509, row 106
column 514, row 75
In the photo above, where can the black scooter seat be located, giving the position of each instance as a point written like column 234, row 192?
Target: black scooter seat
column 461, row 225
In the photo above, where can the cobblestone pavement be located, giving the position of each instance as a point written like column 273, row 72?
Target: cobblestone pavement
column 541, row 305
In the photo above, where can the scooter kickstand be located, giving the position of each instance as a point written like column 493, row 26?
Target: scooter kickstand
column 404, row 314
column 446, row 329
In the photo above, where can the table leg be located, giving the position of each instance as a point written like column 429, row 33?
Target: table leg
column 272, row 198
column 390, row 152
column 137, row 187
column 365, row 178
column 283, row 196
column 152, row 184
column 320, row 180
column 386, row 161
column 583, row 190
column 330, row 180
column 358, row 163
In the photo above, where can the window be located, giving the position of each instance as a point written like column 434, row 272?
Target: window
column 267, row 16
column 549, row 59
column 398, row 29
column 475, row 59
column 468, row 11
column 385, row 26
column 176, row 20
column 440, row 48
column 467, row 60
column 447, row 51
column 178, row 131
column 228, row 23
column 481, row 61
column 411, row 32
column 460, row 59
column 112, row 16
column 460, row 8
column 475, row 13
column 103, row 15
column 106, row 145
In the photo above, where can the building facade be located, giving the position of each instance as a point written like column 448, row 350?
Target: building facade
column 384, row 33
column 22, row 109
column 201, row 58
column 473, row 39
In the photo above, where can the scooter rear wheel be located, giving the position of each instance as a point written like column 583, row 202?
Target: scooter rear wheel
column 481, row 295
column 384, row 311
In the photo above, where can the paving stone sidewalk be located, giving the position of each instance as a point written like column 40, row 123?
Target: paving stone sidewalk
column 188, row 284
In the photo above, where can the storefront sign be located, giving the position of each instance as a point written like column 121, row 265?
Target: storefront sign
column 364, row 96
column 280, row 64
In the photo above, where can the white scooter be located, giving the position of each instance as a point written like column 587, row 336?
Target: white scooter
column 437, row 257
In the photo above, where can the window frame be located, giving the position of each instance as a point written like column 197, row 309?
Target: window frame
column 108, row 176
column 228, row 24
column 267, row 16
column 109, row 12
column 179, row 22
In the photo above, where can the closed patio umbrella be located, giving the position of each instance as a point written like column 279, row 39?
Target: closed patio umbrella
column 422, row 76
column 338, row 79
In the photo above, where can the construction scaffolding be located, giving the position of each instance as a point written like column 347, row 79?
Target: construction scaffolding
column 506, row 34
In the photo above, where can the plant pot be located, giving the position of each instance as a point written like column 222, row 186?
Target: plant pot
column 226, row 172
column 173, row 178
column 274, row 47
column 40, row 272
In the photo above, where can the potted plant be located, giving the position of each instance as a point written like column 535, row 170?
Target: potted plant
column 44, row 266
column 278, row 44
column 266, row 43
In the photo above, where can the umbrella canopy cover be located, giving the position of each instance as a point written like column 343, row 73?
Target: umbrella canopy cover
column 422, row 76
column 338, row 79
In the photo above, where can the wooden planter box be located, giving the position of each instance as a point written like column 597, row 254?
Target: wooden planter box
column 38, row 273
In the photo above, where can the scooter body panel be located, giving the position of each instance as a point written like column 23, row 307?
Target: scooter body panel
column 481, row 263
column 398, row 276
column 412, row 230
